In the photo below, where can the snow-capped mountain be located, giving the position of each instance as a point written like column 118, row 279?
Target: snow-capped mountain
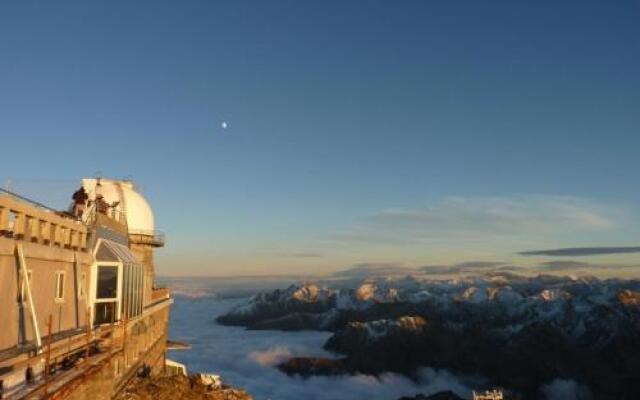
column 511, row 301
column 499, row 325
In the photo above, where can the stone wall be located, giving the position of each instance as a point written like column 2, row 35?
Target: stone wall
column 145, row 347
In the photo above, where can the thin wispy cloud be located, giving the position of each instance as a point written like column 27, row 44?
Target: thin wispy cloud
column 376, row 269
column 288, row 253
column 581, row 251
column 564, row 266
column 465, row 267
column 570, row 265
column 303, row 255
column 398, row 269
column 482, row 219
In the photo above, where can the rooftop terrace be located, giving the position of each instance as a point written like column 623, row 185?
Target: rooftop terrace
column 25, row 219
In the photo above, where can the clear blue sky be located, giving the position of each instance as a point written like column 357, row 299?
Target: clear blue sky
column 359, row 131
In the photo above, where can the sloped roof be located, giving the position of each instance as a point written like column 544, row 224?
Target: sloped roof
column 115, row 252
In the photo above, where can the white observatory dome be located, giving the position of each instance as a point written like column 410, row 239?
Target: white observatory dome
column 135, row 207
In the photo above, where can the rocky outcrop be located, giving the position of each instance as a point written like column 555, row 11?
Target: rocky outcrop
column 629, row 298
column 177, row 387
column 295, row 308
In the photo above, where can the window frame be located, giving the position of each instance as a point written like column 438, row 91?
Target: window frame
column 118, row 267
column 60, row 286
column 93, row 290
column 82, row 291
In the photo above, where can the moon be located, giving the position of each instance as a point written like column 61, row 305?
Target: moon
column 224, row 125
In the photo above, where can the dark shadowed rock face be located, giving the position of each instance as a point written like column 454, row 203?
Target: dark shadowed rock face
column 518, row 332
column 405, row 328
column 309, row 366
column 446, row 395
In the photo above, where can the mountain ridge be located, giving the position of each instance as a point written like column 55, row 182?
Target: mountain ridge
column 518, row 332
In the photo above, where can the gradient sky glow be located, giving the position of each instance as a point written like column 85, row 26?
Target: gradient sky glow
column 417, row 132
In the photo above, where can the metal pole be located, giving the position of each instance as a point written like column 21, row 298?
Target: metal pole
column 113, row 339
column 27, row 283
column 124, row 332
column 113, row 325
column 88, row 322
column 47, row 367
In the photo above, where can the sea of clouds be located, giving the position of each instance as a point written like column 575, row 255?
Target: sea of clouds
column 246, row 359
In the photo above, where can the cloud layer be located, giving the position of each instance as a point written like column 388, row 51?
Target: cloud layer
column 371, row 270
column 561, row 389
column 581, row 251
column 395, row 269
column 485, row 218
column 245, row 359
column 476, row 267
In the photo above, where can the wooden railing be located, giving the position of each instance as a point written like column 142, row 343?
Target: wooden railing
column 31, row 222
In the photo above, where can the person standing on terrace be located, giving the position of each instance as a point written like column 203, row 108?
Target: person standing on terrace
column 80, row 198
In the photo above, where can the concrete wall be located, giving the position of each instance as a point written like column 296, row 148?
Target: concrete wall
column 8, row 298
column 43, row 261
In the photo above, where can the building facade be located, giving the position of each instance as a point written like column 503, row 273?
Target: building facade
column 79, row 311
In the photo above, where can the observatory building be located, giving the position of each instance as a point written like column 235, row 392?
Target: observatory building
column 80, row 312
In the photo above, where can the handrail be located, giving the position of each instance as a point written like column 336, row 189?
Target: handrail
column 157, row 238
column 30, row 201
column 90, row 215
column 100, row 345
column 142, row 232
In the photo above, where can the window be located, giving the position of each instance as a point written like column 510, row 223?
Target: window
column 107, row 282
column 105, row 313
column 132, row 303
column 60, row 286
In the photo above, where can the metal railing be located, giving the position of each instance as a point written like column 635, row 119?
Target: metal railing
column 71, row 360
column 30, row 201
column 153, row 236
column 90, row 214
